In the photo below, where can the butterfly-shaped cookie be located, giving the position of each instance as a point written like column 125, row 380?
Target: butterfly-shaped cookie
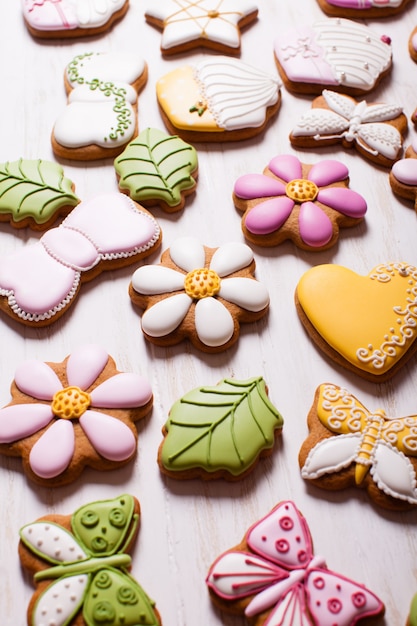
column 376, row 130
column 351, row 446
column 274, row 577
column 80, row 565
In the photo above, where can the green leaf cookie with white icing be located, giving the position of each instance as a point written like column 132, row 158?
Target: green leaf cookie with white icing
column 157, row 169
column 219, row 432
column 34, row 193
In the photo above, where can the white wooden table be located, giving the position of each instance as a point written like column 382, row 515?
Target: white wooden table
column 186, row 525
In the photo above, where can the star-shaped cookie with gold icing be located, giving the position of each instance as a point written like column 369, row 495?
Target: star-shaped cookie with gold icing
column 188, row 24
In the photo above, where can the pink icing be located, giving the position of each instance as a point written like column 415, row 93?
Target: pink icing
column 122, row 391
column 315, row 227
column 268, row 216
column 351, row 4
column 85, row 365
column 286, row 166
column 257, row 186
column 405, row 171
column 327, row 172
column 17, row 424
column 414, row 41
column 52, row 453
column 50, row 14
column 344, row 200
column 108, row 435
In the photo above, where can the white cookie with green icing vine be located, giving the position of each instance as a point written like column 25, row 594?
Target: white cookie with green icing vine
column 101, row 113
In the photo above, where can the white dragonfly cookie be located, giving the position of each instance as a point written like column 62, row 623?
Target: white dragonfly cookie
column 376, row 130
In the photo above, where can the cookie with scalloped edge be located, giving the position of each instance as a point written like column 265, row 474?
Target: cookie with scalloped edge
column 157, row 169
column 51, row 19
column 219, row 432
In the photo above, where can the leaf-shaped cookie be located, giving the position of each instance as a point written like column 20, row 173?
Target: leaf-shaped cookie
column 219, row 432
column 157, row 169
column 34, row 192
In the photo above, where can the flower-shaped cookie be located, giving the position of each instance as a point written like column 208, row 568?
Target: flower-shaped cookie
column 191, row 24
column 291, row 200
column 67, row 415
column 199, row 293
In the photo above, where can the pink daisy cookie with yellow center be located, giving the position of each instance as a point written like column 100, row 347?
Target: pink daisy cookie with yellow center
column 304, row 203
column 65, row 416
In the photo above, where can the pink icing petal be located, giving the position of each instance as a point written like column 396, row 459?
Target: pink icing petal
column 268, row 216
column 328, row 172
column 37, row 379
column 52, row 453
column 315, row 227
column 405, row 171
column 109, row 436
column 344, row 200
column 18, row 421
column 85, row 365
column 258, row 186
column 286, row 166
column 122, row 391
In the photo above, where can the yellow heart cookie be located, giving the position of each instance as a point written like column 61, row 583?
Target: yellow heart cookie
column 368, row 324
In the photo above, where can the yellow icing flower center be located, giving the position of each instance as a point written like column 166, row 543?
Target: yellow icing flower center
column 70, row 403
column 301, row 190
column 201, row 283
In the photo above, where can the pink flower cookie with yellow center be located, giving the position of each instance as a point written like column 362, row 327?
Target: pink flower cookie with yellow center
column 65, row 416
column 199, row 293
column 304, row 203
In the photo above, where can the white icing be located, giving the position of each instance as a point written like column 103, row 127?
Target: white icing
column 156, row 279
column 55, row 15
column 166, row 315
column 246, row 293
column 394, row 473
column 231, row 257
column 186, row 20
column 188, row 253
column 213, row 322
column 112, row 67
column 53, row 542
column 331, row 455
column 237, row 94
column 60, row 601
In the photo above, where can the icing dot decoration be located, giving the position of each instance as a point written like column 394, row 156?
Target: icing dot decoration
column 282, row 545
column 334, row 605
column 202, row 283
column 286, row 523
column 70, row 403
column 301, row 190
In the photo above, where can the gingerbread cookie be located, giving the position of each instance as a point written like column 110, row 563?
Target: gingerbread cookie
column 101, row 113
column 219, row 432
column 340, row 54
column 375, row 130
column 40, row 281
column 403, row 176
column 350, row 446
column 65, row 416
column 362, row 9
column 49, row 19
column 274, row 577
column 199, row 293
column 304, row 203
column 363, row 323
column 412, row 44
column 81, row 565
column 220, row 99
column 157, row 169
column 34, row 193
column 187, row 24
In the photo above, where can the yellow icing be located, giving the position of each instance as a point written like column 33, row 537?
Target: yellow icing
column 202, row 283
column 301, row 190
column 369, row 320
column 177, row 93
column 70, row 403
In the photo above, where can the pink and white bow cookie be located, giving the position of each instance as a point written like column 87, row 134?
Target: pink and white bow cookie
column 274, row 578
column 39, row 282
column 65, row 416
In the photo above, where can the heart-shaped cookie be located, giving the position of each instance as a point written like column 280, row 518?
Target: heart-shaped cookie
column 367, row 324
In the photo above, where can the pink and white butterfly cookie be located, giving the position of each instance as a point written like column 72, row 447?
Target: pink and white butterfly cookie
column 351, row 446
column 49, row 19
column 274, row 578
column 100, row 117
column 212, row 24
column 376, row 130
column 334, row 53
column 40, row 281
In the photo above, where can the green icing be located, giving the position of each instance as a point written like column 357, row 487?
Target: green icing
column 157, row 166
column 74, row 67
column 112, row 597
column 412, row 619
column 220, row 428
column 34, row 189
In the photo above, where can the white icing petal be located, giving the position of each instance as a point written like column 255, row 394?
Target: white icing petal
column 331, row 455
column 166, row 315
column 245, row 292
column 52, row 453
column 157, row 279
column 213, row 322
column 394, row 473
column 188, row 253
column 60, row 601
column 22, row 420
column 231, row 257
column 85, row 364
column 109, row 436
column 52, row 541
column 37, row 379
column 122, row 391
